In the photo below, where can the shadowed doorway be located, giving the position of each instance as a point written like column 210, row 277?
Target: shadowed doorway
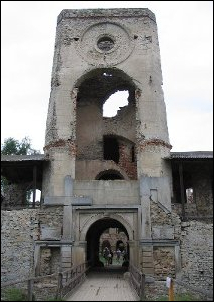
column 93, row 239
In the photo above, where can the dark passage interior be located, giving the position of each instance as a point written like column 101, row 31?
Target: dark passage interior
column 111, row 149
column 93, row 238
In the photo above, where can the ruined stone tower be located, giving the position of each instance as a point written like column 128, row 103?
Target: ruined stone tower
column 108, row 181
column 108, row 171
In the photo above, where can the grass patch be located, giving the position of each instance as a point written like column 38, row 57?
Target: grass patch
column 15, row 294
column 180, row 297
column 55, row 299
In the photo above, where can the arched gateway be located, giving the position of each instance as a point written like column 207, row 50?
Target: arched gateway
column 93, row 225
column 93, row 236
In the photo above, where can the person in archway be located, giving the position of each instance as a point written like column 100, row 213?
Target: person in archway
column 105, row 255
column 118, row 253
column 125, row 256
column 111, row 258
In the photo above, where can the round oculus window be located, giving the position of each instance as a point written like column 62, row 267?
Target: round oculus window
column 105, row 43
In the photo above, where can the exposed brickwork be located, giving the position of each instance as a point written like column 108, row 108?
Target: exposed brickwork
column 126, row 163
column 154, row 142
column 64, row 144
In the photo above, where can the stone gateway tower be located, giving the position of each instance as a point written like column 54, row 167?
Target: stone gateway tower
column 108, row 172
column 109, row 180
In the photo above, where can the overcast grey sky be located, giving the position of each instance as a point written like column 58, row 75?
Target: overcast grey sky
column 185, row 31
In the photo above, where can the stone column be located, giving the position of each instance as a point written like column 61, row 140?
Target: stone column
column 66, row 257
column 79, row 252
column 67, row 210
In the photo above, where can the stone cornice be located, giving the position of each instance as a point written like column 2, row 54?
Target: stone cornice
column 106, row 13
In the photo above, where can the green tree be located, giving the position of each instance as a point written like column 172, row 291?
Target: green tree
column 12, row 146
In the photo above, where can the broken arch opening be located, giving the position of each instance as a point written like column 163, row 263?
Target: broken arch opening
column 95, row 243
column 115, row 102
column 93, row 129
column 109, row 175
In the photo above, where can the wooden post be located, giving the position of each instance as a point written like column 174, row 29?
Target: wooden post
column 142, row 287
column 171, row 291
column 59, row 286
column 182, row 189
column 34, row 185
column 30, row 289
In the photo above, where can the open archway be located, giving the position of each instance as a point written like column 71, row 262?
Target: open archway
column 93, row 238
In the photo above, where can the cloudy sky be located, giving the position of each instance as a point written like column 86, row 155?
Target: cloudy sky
column 185, row 31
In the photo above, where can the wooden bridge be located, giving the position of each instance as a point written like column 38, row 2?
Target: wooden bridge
column 83, row 283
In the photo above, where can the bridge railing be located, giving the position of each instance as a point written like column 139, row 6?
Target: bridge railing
column 69, row 279
column 137, row 279
column 57, row 284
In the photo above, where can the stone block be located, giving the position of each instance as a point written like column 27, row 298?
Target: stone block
column 147, row 249
column 147, row 254
column 81, row 200
column 148, row 271
column 163, row 232
column 50, row 233
column 147, row 264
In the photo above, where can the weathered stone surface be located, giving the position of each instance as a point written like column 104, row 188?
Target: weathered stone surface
column 19, row 231
column 197, row 254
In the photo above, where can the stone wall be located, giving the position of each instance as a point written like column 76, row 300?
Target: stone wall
column 19, row 230
column 51, row 223
column 158, row 215
column 51, row 216
column 197, row 254
column 109, row 192
column 194, row 270
column 90, row 170
column 156, row 290
column 123, row 124
column 164, row 262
